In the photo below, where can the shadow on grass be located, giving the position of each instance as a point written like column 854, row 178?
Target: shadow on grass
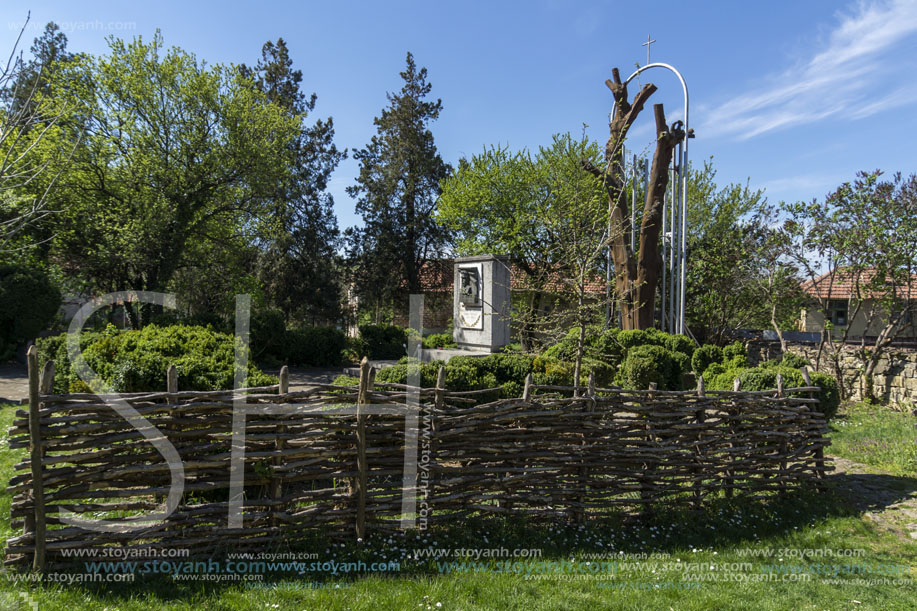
column 723, row 524
column 871, row 491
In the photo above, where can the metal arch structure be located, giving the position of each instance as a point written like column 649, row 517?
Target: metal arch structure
column 683, row 184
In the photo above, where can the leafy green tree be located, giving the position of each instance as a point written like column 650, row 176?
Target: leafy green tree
column 298, row 265
column 30, row 119
column 539, row 209
column 864, row 235
column 174, row 154
column 397, row 191
column 726, row 233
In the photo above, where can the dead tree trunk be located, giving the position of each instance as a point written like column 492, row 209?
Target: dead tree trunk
column 635, row 278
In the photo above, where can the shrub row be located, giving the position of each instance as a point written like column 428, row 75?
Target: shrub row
column 721, row 376
column 136, row 361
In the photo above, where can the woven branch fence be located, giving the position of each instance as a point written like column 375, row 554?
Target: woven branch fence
column 330, row 461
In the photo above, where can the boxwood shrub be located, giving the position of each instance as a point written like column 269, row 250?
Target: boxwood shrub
column 438, row 340
column 314, row 347
column 705, row 356
column 650, row 363
column 384, row 341
column 136, row 361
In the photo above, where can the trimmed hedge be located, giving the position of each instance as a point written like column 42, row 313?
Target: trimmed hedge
column 383, row 341
column 649, row 363
column 314, row 347
column 136, row 361
column 705, row 356
column 439, row 340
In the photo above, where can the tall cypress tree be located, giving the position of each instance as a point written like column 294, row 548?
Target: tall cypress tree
column 397, row 192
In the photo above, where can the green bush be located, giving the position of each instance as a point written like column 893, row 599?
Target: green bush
column 829, row 398
column 795, row 361
column 438, row 340
column 314, row 347
column 765, row 378
column 384, row 341
column 398, row 374
column 680, row 343
column 648, row 363
column 632, row 338
column 733, row 350
column 135, row 361
column 705, row 356
column 602, row 353
column 550, row 372
column 344, row 380
column 267, row 336
column 29, row 303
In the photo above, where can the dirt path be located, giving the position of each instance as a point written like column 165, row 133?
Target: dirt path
column 888, row 500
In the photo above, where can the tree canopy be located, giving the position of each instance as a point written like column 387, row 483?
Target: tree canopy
column 397, row 191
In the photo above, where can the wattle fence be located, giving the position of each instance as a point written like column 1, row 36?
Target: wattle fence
column 335, row 461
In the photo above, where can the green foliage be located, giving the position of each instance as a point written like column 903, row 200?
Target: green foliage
column 298, row 265
column 705, row 356
column 267, row 336
column 384, row 341
column 134, row 361
column 795, row 361
column 314, row 346
column 829, row 397
column 176, row 168
column 398, row 374
column 550, row 372
column 680, row 343
column 637, row 337
column 733, row 350
column 345, row 380
column 439, row 340
column 542, row 211
column 28, row 304
column 764, row 377
column 650, row 363
column 397, row 191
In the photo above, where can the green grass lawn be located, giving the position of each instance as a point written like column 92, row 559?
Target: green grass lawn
column 877, row 436
column 715, row 560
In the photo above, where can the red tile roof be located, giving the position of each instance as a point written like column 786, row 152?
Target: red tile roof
column 843, row 285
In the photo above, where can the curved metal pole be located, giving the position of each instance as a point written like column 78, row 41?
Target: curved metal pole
column 682, row 256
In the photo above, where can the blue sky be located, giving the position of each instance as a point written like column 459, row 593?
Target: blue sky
column 793, row 96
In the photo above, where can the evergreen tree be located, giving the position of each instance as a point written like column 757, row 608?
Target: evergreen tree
column 297, row 263
column 397, row 192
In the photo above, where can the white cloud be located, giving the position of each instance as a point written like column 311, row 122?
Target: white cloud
column 855, row 75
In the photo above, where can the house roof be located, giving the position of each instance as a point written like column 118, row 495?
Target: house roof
column 842, row 284
column 437, row 276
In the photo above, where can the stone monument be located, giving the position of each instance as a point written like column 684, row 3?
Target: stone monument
column 481, row 307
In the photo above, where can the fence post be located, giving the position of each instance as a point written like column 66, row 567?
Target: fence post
column 439, row 402
column 588, row 407
column 172, row 379
column 820, row 452
column 699, row 418
column 783, row 447
column 35, row 450
column 736, row 387
column 527, row 390
column 366, row 373
column 649, row 475
column 279, row 445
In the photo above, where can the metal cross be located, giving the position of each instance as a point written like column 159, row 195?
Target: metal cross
column 647, row 45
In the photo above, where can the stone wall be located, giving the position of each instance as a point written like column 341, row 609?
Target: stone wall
column 895, row 379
